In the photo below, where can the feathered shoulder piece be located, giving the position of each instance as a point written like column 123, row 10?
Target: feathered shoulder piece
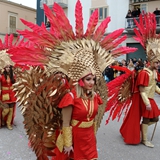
column 146, row 35
column 119, row 94
column 65, row 50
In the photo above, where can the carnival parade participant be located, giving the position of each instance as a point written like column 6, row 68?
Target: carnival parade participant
column 144, row 106
column 57, row 117
column 7, row 97
column 7, row 79
column 79, row 108
column 133, row 92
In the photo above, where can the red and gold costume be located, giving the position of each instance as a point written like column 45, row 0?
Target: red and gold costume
column 82, row 122
column 7, row 96
column 139, row 100
column 8, row 99
column 71, row 53
column 130, row 129
column 7, row 89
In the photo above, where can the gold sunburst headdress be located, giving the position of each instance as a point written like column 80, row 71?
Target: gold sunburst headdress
column 69, row 52
column 4, row 56
column 146, row 35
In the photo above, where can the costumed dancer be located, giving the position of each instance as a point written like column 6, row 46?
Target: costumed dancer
column 58, row 117
column 7, row 79
column 143, row 87
column 146, row 80
column 8, row 98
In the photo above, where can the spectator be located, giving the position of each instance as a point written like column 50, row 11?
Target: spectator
column 48, row 24
column 157, row 14
column 129, row 18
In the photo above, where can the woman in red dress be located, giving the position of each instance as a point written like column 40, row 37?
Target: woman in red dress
column 7, row 96
column 79, row 108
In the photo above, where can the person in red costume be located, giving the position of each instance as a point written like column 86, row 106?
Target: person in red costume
column 79, row 108
column 143, row 103
column 7, row 96
column 65, row 117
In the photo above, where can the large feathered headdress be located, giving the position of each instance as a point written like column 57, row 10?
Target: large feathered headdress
column 69, row 52
column 146, row 35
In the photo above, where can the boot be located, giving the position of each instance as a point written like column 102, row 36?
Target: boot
column 144, row 136
column 9, row 119
column 4, row 113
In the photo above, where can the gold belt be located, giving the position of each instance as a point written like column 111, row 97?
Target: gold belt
column 7, row 88
column 82, row 124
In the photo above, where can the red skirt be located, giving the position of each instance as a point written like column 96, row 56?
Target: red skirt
column 84, row 144
column 150, row 114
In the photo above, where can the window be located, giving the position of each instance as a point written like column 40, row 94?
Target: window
column 102, row 12
column 12, row 23
column 144, row 8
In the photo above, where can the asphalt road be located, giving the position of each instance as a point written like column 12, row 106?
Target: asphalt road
column 14, row 144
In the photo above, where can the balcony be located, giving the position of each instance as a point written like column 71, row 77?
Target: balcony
column 62, row 3
column 139, row 1
column 130, row 25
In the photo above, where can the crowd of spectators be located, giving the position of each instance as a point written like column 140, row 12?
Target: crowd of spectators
column 110, row 73
column 131, row 15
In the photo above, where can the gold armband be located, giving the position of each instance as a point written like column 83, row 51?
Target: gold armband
column 67, row 136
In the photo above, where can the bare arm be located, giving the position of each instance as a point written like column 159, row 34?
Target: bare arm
column 66, row 116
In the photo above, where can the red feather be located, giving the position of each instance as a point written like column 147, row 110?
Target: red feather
column 122, row 50
column 92, row 24
column 114, row 106
column 111, row 37
column 99, row 33
column 62, row 17
column 79, row 20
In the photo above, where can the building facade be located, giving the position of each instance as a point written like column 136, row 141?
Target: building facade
column 10, row 16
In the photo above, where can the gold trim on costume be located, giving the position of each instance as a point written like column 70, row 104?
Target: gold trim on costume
column 89, row 105
column 67, row 136
column 82, row 124
column 60, row 142
column 7, row 88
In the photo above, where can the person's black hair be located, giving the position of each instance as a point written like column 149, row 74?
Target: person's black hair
column 11, row 76
column 139, row 66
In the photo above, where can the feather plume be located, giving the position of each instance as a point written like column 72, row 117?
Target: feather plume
column 79, row 20
column 62, row 17
column 123, row 50
column 115, row 43
column 111, row 37
column 92, row 24
column 99, row 33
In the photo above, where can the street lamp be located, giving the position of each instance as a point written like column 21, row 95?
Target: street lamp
column 42, row 2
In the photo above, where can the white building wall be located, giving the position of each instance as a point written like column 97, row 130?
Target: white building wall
column 86, row 5
column 117, row 11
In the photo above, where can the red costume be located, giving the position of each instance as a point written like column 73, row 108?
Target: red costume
column 7, row 95
column 7, row 88
column 84, row 140
column 130, row 128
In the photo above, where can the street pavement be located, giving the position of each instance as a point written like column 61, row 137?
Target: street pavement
column 14, row 144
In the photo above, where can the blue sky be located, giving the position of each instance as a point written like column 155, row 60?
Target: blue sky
column 29, row 3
